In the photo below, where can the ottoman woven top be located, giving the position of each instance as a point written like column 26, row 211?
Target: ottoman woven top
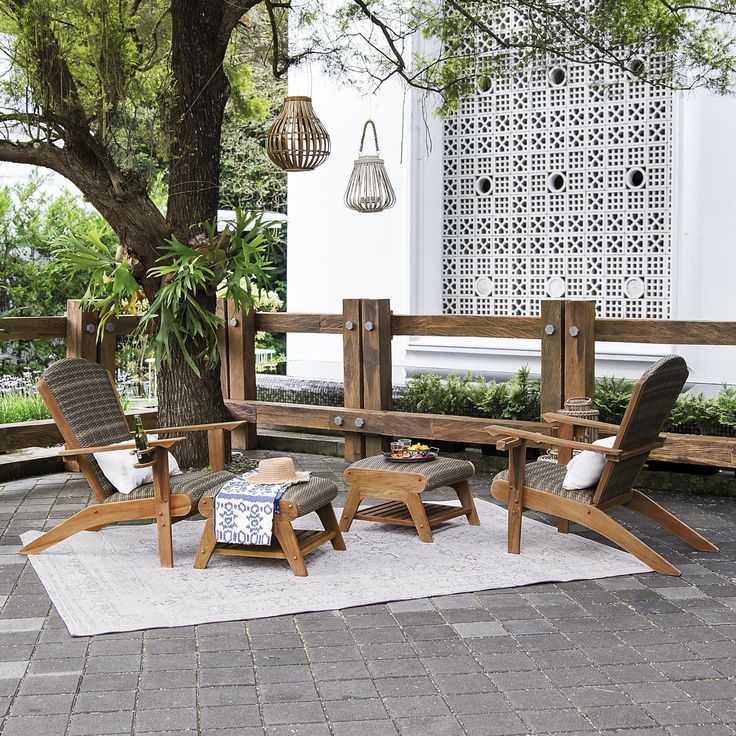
column 443, row 471
column 310, row 496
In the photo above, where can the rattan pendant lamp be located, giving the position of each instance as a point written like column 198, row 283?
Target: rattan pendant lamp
column 297, row 140
column 369, row 188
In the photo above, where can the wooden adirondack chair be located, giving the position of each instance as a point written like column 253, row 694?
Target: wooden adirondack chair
column 538, row 486
column 83, row 401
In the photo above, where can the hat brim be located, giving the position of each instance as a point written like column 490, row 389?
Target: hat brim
column 296, row 478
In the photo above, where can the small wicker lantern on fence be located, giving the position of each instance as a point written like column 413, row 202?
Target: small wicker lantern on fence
column 369, row 188
column 297, row 140
column 582, row 408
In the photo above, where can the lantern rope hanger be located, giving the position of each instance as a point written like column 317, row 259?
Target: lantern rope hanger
column 369, row 188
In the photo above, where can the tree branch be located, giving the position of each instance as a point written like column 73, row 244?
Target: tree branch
column 34, row 154
column 234, row 11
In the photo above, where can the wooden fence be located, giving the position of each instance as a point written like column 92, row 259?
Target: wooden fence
column 567, row 330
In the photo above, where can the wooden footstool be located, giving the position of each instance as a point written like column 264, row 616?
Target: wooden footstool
column 287, row 543
column 401, row 484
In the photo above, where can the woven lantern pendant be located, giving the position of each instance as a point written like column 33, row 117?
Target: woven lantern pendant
column 369, row 188
column 297, row 140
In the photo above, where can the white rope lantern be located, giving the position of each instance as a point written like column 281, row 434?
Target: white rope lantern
column 369, row 188
column 297, row 140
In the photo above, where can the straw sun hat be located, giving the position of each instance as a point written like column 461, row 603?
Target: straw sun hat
column 277, row 470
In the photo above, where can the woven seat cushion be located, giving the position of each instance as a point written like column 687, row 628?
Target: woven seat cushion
column 193, row 484
column 443, row 471
column 308, row 497
column 548, row 477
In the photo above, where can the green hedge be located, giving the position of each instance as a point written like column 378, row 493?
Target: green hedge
column 519, row 399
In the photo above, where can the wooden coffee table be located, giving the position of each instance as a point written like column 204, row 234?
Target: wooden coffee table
column 401, row 485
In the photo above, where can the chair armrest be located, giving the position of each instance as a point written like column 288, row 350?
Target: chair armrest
column 545, row 440
column 78, row 451
column 215, row 438
column 553, row 417
column 229, row 426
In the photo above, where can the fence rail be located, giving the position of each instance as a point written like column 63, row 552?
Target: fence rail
column 567, row 330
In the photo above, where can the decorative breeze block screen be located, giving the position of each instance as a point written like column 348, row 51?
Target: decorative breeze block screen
column 557, row 183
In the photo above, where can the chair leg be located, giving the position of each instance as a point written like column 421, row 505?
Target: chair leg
column 163, row 507
column 290, row 545
column 350, row 509
column 601, row 522
column 329, row 522
column 93, row 517
column 466, row 499
column 206, row 545
column 644, row 505
column 419, row 516
column 592, row 518
column 563, row 525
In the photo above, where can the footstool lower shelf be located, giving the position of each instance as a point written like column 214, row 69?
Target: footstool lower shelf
column 401, row 486
column 287, row 543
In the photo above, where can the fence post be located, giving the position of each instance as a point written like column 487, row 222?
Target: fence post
column 81, row 330
column 241, row 361
column 377, row 363
column 579, row 348
column 552, row 390
column 352, row 349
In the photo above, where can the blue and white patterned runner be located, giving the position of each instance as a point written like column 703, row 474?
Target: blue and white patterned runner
column 244, row 511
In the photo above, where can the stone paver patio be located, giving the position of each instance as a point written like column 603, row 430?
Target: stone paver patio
column 630, row 655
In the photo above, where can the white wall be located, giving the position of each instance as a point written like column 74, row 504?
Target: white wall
column 705, row 228
column 333, row 252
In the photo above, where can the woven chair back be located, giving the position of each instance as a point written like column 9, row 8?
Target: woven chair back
column 650, row 406
column 86, row 409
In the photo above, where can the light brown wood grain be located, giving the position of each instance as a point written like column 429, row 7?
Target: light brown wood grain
column 241, row 340
column 580, row 349
column 294, row 322
column 666, row 331
column 377, row 364
column 697, row 449
column 79, row 342
column 287, row 544
column 353, row 372
column 552, row 387
column 454, row 325
column 32, row 328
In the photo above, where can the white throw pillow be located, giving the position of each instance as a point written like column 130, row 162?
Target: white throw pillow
column 586, row 468
column 119, row 468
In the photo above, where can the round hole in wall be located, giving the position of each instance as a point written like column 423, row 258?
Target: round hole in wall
column 636, row 178
column 557, row 75
column 484, row 84
column 634, row 287
column 556, row 287
column 484, row 185
column 636, row 65
column 483, row 286
column 557, row 181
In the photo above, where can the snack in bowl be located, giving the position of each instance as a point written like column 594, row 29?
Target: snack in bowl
column 419, row 450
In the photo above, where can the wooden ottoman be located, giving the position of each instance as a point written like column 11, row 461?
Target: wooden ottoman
column 287, row 543
column 401, row 484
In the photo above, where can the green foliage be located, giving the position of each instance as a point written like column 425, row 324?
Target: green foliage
column 212, row 264
column 612, row 396
column 248, row 178
column 726, row 406
column 461, row 395
column 19, row 401
column 694, row 409
column 31, row 281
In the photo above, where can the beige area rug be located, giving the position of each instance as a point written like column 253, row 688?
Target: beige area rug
column 109, row 581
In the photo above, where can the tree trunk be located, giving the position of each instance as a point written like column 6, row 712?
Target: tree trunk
column 190, row 399
column 201, row 92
